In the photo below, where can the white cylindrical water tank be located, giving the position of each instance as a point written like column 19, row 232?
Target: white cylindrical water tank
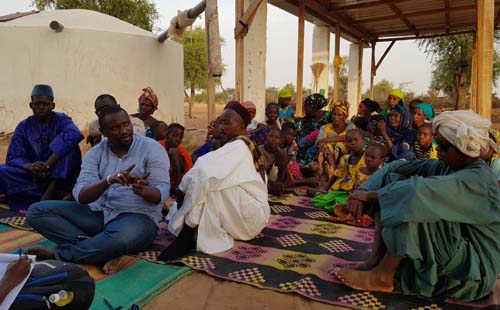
column 93, row 54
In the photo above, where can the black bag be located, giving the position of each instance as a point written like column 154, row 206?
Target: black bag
column 49, row 277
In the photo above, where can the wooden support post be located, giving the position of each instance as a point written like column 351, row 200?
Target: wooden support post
column 360, row 77
column 239, row 54
column 485, row 24
column 373, row 71
column 336, row 68
column 210, row 25
column 384, row 54
column 244, row 23
column 473, row 82
column 300, row 60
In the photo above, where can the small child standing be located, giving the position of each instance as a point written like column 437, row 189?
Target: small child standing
column 424, row 148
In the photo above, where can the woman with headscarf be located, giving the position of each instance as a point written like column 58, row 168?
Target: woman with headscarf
column 401, row 135
column 331, row 136
column 424, row 112
column 314, row 118
column 395, row 98
column 148, row 104
column 366, row 109
column 287, row 113
column 439, row 219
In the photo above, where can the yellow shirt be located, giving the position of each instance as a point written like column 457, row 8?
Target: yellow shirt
column 346, row 173
column 430, row 153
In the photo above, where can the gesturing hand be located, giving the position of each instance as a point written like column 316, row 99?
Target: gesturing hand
column 140, row 184
column 123, row 177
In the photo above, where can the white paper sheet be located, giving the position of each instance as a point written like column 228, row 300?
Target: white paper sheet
column 5, row 260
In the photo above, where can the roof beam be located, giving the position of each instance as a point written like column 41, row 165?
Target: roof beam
column 420, row 30
column 379, row 62
column 398, row 12
column 428, row 36
column 334, row 8
column 447, row 13
column 316, row 9
column 447, row 10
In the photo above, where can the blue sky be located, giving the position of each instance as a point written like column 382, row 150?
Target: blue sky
column 406, row 63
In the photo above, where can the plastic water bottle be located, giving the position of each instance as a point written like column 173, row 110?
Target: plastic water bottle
column 62, row 298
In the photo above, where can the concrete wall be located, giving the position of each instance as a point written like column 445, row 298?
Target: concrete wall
column 321, row 54
column 94, row 54
column 254, row 63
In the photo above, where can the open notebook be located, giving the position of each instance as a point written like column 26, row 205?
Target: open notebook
column 5, row 260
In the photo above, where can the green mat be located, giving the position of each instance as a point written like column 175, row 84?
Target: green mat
column 138, row 283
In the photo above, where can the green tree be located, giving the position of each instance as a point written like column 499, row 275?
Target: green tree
column 141, row 13
column 194, row 42
column 452, row 59
column 380, row 91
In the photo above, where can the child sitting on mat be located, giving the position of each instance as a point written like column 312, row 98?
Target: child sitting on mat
column 374, row 159
column 342, row 182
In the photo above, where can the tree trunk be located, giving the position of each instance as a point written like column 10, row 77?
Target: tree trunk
column 462, row 90
column 462, row 79
column 191, row 103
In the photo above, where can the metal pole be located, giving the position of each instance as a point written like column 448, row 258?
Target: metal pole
column 192, row 13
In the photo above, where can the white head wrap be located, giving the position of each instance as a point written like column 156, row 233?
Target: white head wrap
column 465, row 130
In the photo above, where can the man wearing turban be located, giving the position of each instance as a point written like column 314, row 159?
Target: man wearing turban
column 43, row 159
column 224, row 194
column 440, row 219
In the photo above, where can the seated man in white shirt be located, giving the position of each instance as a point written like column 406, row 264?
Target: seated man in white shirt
column 224, row 195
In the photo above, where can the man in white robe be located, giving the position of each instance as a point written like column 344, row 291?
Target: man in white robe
column 225, row 196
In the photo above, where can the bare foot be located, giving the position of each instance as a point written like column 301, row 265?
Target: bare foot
column 372, row 280
column 41, row 252
column 368, row 264
column 371, row 261
column 115, row 265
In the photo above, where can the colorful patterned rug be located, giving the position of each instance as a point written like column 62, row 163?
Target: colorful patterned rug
column 149, row 279
column 296, row 253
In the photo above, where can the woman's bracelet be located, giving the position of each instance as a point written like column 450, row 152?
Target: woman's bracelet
column 107, row 179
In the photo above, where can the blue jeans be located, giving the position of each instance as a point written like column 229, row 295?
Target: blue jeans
column 82, row 236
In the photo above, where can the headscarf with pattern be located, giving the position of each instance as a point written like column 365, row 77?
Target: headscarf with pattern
column 342, row 106
column 315, row 101
column 148, row 93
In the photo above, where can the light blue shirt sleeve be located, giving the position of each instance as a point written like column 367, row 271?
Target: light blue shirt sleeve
column 148, row 156
column 89, row 173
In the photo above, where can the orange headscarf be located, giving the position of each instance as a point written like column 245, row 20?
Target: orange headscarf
column 150, row 94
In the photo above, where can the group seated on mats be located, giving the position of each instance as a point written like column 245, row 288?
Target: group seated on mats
column 431, row 188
